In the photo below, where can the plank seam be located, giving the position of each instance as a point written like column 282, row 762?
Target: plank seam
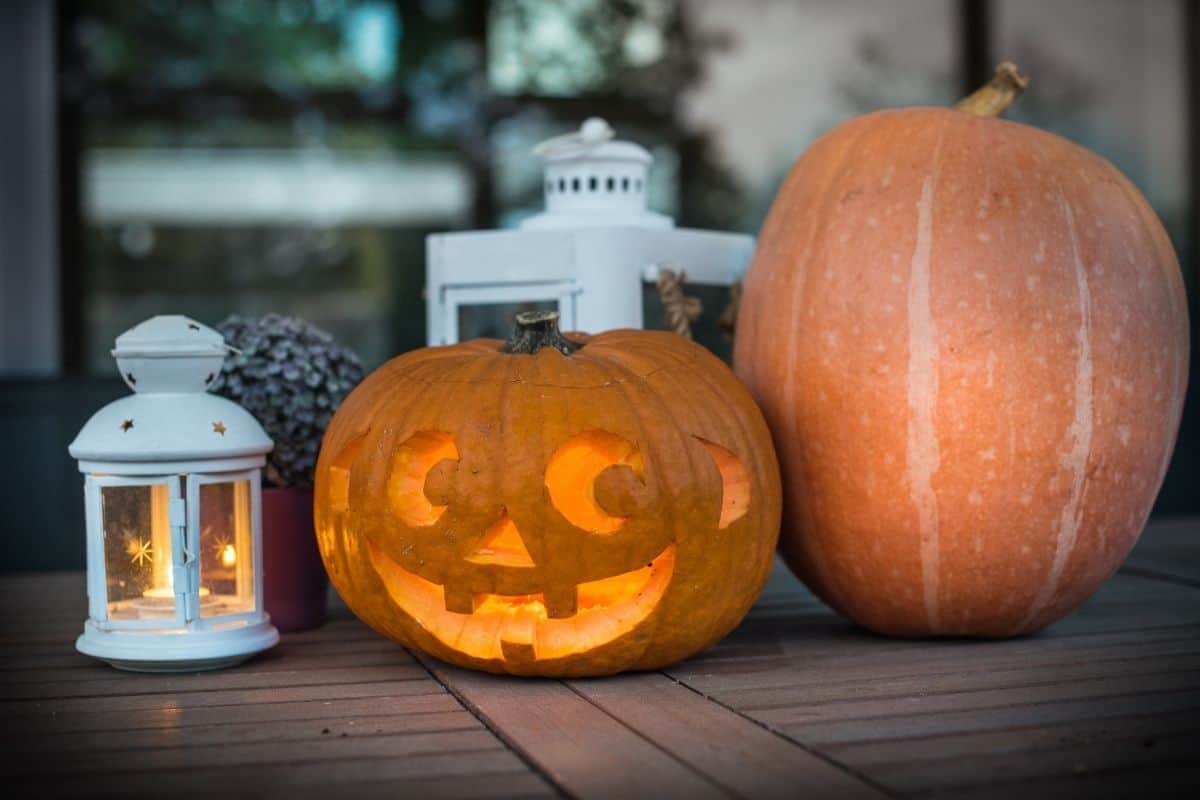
column 846, row 768
column 495, row 730
column 707, row 778
column 1153, row 574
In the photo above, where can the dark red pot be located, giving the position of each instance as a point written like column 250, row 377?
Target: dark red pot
column 294, row 579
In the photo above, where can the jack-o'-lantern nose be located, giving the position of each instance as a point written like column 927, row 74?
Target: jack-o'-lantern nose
column 502, row 544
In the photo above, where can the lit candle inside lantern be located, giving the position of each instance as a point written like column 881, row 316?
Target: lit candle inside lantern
column 228, row 556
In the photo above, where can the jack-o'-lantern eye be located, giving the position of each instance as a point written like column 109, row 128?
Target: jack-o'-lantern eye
column 411, row 465
column 339, row 474
column 572, row 473
column 735, row 483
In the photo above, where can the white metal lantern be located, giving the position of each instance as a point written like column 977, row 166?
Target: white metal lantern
column 589, row 252
column 172, row 498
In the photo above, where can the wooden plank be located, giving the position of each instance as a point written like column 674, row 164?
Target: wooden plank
column 310, row 750
column 735, row 753
column 279, row 778
column 1169, row 549
column 942, row 659
column 582, row 749
column 173, row 701
column 46, row 669
column 1050, row 677
column 465, row 787
column 966, row 719
column 473, row 787
column 108, row 685
column 167, row 717
column 235, row 733
column 983, row 769
column 1097, row 690
column 925, row 749
column 1161, row 781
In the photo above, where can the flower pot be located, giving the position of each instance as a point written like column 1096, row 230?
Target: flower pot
column 294, row 579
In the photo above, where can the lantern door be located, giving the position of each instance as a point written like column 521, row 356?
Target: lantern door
column 136, row 572
column 225, row 548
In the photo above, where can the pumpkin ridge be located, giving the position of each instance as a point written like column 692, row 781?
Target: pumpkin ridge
column 816, row 237
column 654, row 465
column 689, row 441
column 1168, row 269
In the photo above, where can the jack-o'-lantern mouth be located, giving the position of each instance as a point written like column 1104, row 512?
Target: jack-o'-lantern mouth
column 517, row 628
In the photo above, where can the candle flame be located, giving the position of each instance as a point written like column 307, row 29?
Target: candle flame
column 228, row 555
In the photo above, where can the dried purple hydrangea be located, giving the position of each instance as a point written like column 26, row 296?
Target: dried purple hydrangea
column 291, row 376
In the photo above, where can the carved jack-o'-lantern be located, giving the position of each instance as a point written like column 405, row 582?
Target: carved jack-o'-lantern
column 550, row 506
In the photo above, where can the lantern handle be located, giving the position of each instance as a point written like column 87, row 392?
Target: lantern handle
column 681, row 309
column 594, row 131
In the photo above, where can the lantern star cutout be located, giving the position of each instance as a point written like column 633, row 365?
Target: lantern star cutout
column 126, row 426
column 219, row 427
column 140, row 551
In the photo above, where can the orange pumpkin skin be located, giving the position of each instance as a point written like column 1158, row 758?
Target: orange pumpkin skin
column 548, row 514
column 970, row 341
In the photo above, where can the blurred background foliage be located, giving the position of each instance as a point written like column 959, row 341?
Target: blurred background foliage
column 434, row 105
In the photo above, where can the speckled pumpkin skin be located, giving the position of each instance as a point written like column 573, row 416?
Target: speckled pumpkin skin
column 970, row 340
column 508, row 414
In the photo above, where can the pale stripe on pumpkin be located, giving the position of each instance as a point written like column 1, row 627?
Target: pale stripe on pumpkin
column 923, row 453
column 1079, row 433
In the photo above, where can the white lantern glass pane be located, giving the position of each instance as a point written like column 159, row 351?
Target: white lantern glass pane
column 226, row 549
column 137, row 552
column 495, row 320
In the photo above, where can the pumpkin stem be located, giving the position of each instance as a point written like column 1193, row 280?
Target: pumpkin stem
column 535, row 330
column 991, row 99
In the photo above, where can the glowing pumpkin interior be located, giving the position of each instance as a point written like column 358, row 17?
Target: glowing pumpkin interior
column 546, row 625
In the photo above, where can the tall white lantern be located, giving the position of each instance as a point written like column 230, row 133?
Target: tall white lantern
column 589, row 252
column 172, row 500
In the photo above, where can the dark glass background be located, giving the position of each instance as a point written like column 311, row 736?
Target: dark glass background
column 185, row 128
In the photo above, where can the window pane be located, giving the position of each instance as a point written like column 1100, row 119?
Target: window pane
column 286, row 156
column 291, row 42
column 226, row 549
column 495, row 320
column 328, row 235
column 137, row 552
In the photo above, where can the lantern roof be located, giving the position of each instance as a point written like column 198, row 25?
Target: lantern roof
column 169, row 336
column 169, row 362
column 593, row 142
column 592, row 180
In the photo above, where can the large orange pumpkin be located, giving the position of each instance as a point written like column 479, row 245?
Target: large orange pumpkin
column 552, row 506
column 970, row 340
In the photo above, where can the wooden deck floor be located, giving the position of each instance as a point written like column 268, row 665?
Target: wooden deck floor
column 796, row 703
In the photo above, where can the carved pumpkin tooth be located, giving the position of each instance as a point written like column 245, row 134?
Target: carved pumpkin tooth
column 459, row 601
column 562, row 601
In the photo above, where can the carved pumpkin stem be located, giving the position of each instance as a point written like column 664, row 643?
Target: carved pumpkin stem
column 538, row 329
column 991, row 99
